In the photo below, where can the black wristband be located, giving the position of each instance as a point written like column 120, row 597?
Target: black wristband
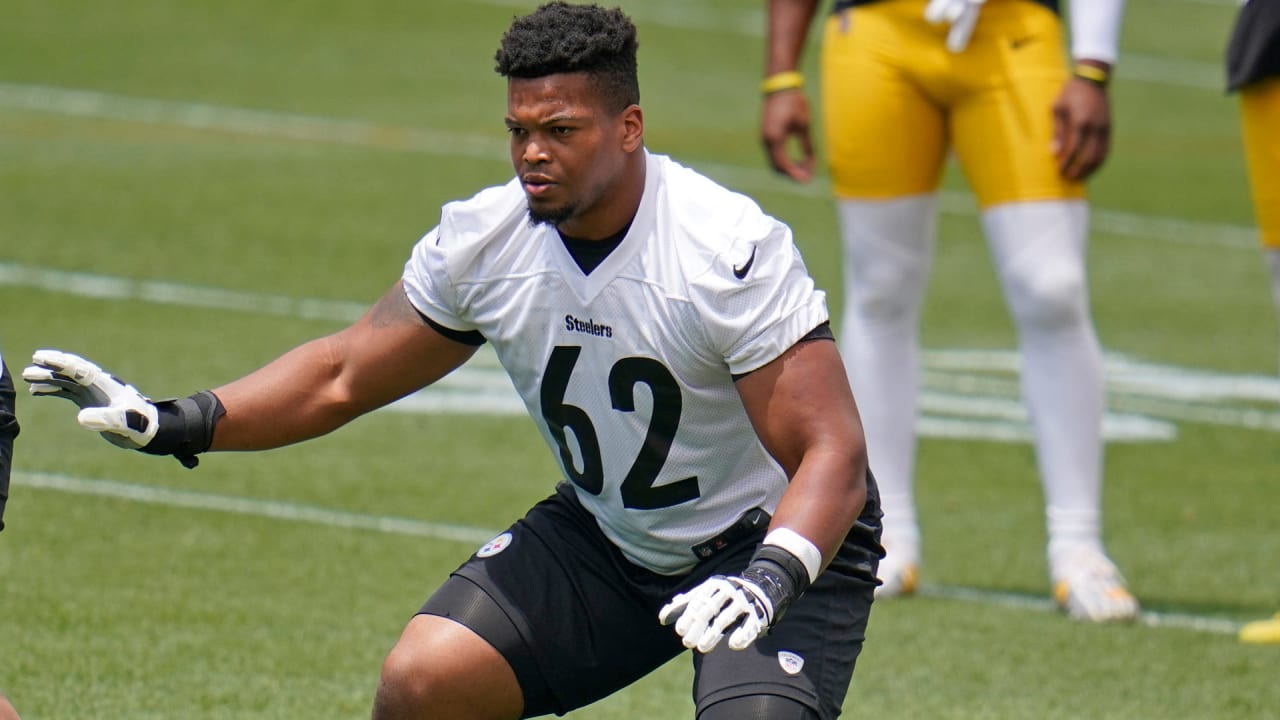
column 781, row 575
column 186, row 427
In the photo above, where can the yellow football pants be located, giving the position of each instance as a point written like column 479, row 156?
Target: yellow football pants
column 895, row 100
column 1260, row 123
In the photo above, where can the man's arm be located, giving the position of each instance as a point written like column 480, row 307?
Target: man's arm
column 323, row 384
column 307, row 392
column 804, row 412
column 1082, row 112
column 785, row 114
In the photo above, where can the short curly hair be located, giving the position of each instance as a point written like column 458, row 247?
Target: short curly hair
column 563, row 38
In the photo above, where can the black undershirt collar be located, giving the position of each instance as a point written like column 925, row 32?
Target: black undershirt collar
column 588, row 254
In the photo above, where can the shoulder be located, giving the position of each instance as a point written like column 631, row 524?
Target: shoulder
column 481, row 216
column 696, row 198
column 470, row 233
column 710, row 222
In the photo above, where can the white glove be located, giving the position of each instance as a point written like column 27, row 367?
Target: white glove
column 962, row 15
column 720, row 604
column 116, row 410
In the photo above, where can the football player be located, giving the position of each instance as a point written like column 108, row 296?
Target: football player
column 676, row 357
column 1253, row 70
column 904, row 83
column 8, row 431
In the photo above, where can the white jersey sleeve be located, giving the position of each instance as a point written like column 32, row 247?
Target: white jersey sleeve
column 1095, row 29
column 756, row 297
column 437, row 270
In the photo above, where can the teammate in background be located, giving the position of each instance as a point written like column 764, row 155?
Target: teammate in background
column 8, row 431
column 675, row 354
column 904, row 82
column 1253, row 70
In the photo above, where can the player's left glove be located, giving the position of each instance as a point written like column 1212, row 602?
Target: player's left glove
column 744, row 606
column 122, row 415
column 961, row 15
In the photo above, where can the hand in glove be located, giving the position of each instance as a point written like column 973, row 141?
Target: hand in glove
column 121, row 414
column 744, row 607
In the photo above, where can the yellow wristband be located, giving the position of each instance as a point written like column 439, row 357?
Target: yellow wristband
column 1092, row 73
column 777, row 82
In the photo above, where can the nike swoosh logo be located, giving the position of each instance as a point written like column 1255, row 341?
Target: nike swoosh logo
column 1017, row 43
column 741, row 272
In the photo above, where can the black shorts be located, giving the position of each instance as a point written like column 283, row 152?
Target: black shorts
column 577, row 621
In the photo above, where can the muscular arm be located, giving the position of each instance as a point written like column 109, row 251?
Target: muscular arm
column 325, row 383
column 786, row 114
column 804, row 412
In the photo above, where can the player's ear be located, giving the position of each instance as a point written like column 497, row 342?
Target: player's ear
column 632, row 120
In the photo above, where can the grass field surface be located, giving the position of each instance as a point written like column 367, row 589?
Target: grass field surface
column 187, row 189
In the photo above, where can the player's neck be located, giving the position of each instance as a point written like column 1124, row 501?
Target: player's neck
column 616, row 208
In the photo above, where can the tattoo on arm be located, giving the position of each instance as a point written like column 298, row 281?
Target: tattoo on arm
column 393, row 309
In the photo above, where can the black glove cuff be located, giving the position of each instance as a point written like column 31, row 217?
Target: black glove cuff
column 781, row 575
column 186, row 427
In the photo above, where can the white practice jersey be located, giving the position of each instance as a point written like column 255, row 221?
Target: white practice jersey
column 628, row 371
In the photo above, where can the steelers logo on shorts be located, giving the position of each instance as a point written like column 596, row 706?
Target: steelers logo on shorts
column 791, row 663
column 495, row 546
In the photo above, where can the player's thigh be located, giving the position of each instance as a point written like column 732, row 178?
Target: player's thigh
column 1260, row 121
column 884, row 138
column 1002, row 125
column 442, row 664
column 562, row 606
column 809, row 656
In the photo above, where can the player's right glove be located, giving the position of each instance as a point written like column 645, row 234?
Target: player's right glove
column 743, row 607
column 961, row 15
column 122, row 415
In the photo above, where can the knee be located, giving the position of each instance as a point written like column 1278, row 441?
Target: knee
column 1050, row 297
column 408, row 685
column 442, row 670
column 886, row 290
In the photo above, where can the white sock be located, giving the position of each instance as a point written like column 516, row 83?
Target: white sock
column 1039, row 250
column 888, row 251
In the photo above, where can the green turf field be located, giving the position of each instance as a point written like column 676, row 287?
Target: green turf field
column 189, row 188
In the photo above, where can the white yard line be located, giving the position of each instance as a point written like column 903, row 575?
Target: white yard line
column 1149, row 618
column 293, row 512
column 306, row 128
column 469, row 535
column 967, row 393
column 109, row 287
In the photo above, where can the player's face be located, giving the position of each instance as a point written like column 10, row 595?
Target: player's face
column 571, row 152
